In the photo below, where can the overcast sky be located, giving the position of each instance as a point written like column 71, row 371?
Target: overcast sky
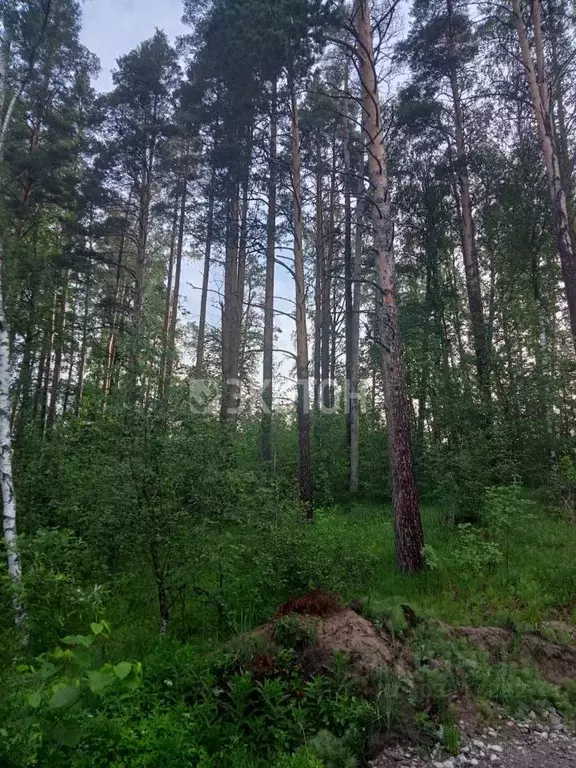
column 114, row 27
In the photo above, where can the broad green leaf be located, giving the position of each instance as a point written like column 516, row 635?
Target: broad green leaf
column 133, row 680
column 65, row 697
column 99, row 680
column 96, row 628
column 33, row 699
column 46, row 670
column 123, row 669
column 85, row 640
column 82, row 656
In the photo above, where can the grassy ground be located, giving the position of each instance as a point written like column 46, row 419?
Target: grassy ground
column 523, row 576
column 534, row 581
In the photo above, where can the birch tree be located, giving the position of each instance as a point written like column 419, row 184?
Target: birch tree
column 8, row 102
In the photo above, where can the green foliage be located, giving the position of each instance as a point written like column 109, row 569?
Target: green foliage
column 303, row 758
column 563, row 487
column 51, row 697
column 332, row 752
column 294, row 632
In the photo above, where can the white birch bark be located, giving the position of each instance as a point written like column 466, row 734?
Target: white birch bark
column 6, row 479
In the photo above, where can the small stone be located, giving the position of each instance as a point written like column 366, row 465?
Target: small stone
column 477, row 743
column 544, row 734
column 495, row 748
column 473, row 761
column 494, row 759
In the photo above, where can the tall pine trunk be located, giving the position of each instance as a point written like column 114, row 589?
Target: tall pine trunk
column 319, row 276
column 171, row 345
column 407, row 524
column 468, row 237
column 304, row 453
column 268, row 342
column 205, row 279
column 540, row 93
column 352, row 258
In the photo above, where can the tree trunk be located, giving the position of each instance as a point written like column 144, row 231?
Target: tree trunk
column 238, row 302
column 407, row 524
column 139, row 273
column 268, row 342
column 230, row 285
column 6, row 479
column 325, row 356
column 540, row 93
column 83, row 342
column 352, row 265
column 58, row 347
column 469, row 251
column 319, row 277
column 171, row 351
column 205, row 279
column 168, row 299
column 304, row 463
column 72, row 355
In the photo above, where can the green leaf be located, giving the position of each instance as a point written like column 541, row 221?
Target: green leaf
column 82, row 656
column 99, row 680
column 96, row 628
column 123, row 669
column 133, row 680
column 65, row 735
column 65, row 697
column 46, row 670
column 33, row 699
column 84, row 640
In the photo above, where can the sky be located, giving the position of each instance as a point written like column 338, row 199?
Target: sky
column 112, row 28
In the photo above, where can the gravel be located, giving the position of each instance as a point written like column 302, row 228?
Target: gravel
column 516, row 744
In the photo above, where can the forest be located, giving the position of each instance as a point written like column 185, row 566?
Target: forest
column 287, row 384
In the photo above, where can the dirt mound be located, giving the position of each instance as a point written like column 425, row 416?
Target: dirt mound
column 555, row 661
column 367, row 647
column 337, row 628
column 319, row 602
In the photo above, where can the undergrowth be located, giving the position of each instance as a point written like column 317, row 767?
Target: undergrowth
column 209, row 696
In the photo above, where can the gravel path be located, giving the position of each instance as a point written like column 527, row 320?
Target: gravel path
column 515, row 745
